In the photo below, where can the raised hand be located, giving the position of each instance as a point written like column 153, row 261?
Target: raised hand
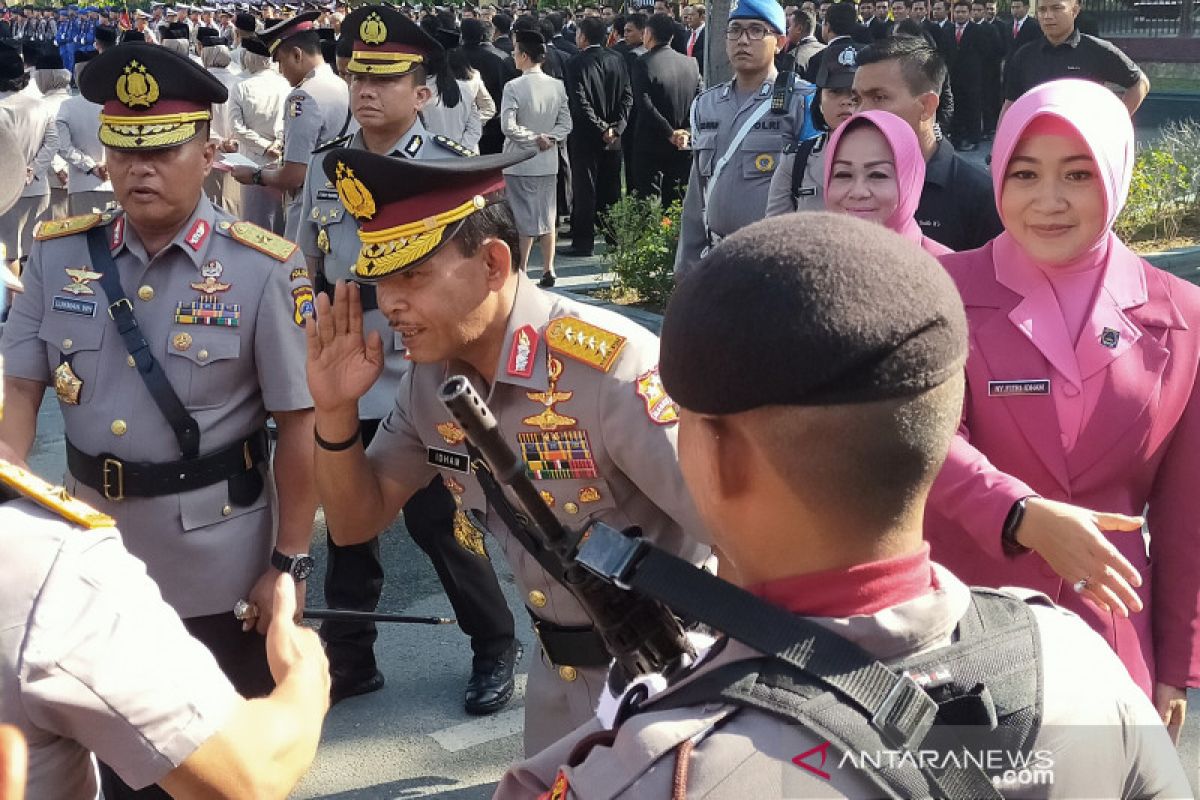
column 342, row 364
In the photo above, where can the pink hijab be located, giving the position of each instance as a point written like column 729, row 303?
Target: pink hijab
column 910, row 173
column 1097, row 117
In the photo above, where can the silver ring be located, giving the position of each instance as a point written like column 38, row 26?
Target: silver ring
column 244, row 610
column 1080, row 585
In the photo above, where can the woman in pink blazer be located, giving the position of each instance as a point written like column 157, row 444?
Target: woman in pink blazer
column 1081, row 411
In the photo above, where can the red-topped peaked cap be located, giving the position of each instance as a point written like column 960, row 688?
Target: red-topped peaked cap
column 388, row 43
column 408, row 210
column 280, row 32
column 152, row 97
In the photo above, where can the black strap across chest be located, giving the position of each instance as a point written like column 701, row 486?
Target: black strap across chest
column 120, row 310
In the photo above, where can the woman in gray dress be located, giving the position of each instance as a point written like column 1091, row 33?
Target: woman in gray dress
column 534, row 117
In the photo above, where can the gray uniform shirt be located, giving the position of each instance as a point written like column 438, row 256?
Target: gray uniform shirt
column 612, row 433
column 328, row 234
column 812, row 194
column 740, row 194
column 203, row 551
column 256, row 107
column 534, row 104
column 78, row 124
column 92, row 659
column 35, row 130
column 1100, row 735
column 314, row 112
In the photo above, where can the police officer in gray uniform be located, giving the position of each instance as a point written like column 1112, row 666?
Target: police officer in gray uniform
column 170, row 333
column 316, row 111
column 388, row 112
column 814, row 467
column 739, row 130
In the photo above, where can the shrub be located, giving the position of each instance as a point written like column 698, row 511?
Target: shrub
column 1181, row 138
column 642, row 257
column 1158, row 197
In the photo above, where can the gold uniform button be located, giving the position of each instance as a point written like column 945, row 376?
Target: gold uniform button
column 202, row 355
column 67, row 344
column 537, row 599
column 146, row 293
column 568, row 674
column 226, row 511
column 118, row 427
column 129, row 360
column 182, row 341
column 225, row 226
column 571, row 508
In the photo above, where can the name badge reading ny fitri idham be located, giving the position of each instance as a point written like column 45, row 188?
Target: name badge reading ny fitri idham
column 1018, row 388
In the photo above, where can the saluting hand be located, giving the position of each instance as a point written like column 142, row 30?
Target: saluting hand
column 342, row 364
column 1071, row 539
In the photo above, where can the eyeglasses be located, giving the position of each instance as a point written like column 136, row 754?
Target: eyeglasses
column 755, row 33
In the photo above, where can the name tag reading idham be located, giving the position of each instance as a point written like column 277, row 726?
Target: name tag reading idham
column 1018, row 388
column 447, row 459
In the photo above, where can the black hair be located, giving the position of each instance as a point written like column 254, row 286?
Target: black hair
column 638, row 19
column 593, row 29
column 842, row 18
column 908, row 27
column 805, row 19
column 16, row 84
column 923, row 69
column 307, row 42
column 662, row 26
column 493, row 221
column 503, row 23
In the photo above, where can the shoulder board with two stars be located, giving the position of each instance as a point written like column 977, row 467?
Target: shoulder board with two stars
column 54, row 498
column 584, row 342
column 452, row 146
column 260, row 239
column 55, row 228
column 340, row 141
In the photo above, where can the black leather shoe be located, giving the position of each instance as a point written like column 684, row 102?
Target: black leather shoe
column 492, row 682
column 343, row 685
column 547, row 280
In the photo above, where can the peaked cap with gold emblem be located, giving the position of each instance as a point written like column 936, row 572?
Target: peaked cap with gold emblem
column 152, row 98
column 407, row 210
column 387, row 43
column 280, row 32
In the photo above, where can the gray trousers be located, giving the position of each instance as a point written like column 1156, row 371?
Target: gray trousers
column 17, row 224
column 87, row 202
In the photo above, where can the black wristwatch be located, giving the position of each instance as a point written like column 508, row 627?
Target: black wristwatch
column 256, row 177
column 299, row 566
column 1008, row 536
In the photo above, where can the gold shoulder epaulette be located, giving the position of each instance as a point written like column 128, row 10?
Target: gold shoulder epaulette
column 262, row 240
column 54, row 498
column 584, row 342
column 55, row 228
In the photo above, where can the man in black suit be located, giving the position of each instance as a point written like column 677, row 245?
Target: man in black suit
column 992, row 96
column 503, row 25
column 495, row 71
column 969, row 45
column 600, row 98
column 665, row 83
column 1022, row 30
column 693, row 43
column 562, row 41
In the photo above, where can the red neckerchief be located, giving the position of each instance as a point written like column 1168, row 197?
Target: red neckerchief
column 861, row 590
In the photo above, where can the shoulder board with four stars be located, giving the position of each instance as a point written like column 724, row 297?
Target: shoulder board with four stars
column 54, row 498
column 584, row 342
column 260, row 239
column 452, row 146
column 339, row 141
column 55, row 228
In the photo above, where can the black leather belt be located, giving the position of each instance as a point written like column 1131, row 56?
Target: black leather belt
column 366, row 292
column 575, row 646
column 117, row 479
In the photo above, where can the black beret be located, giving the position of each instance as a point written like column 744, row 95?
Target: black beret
column 811, row 309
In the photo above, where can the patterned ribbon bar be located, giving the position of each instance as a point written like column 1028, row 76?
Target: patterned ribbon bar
column 200, row 313
column 558, row 455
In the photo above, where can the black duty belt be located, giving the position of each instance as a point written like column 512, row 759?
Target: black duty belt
column 117, row 479
column 366, row 292
column 575, row 646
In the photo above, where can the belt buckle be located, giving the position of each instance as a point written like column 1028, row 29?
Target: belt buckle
column 112, row 464
column 123, row 301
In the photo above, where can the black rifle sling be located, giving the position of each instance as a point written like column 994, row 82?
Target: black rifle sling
column 187, row 430
column 516, row 525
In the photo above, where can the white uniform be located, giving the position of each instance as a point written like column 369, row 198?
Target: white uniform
column 256, row 106
column 39, row 142
column 78, row 125
column 462, row 123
